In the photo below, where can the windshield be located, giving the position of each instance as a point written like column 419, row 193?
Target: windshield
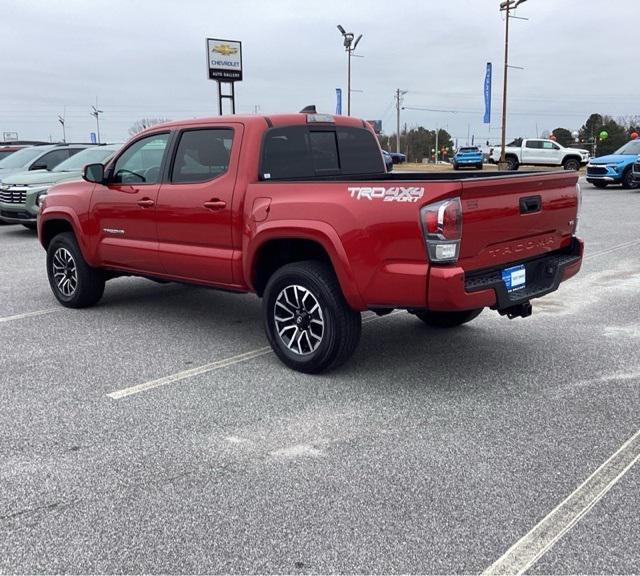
column 21, row 157
column 81, row 159
column 630, row 148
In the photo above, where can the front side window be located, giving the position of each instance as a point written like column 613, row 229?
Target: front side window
column 548, row 145
column 140, row 163
column 202, row 155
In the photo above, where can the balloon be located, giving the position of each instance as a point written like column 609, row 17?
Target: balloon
column 634, row 135
column 604, row 135
column 552, row 137
column 575, row 134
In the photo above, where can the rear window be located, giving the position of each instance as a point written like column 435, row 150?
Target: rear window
column 302, row 152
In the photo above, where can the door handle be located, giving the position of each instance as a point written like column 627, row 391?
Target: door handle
column 215, row 204
column 530, row 204
column 146, row 203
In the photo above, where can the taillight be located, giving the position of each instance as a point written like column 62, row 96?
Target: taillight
column 442, row 225
column 578, row 208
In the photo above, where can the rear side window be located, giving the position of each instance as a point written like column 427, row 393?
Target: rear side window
column 202, row 155
column 536, row 144
column 303, row 152
column 52, row 159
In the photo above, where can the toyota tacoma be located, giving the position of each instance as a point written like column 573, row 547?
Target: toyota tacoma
column 298, row 208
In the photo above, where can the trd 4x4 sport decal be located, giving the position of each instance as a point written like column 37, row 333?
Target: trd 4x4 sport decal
column 393, row 194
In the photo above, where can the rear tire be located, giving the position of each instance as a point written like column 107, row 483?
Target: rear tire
column 479, row 166
column 627, row 179
column 571, row 164
column 512, row 163
column 306, row 318
column 73, row 282
column 447, row 319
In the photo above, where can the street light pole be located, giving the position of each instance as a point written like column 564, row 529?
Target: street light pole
column 96, row 114
column 62, row 121
column 349, row 46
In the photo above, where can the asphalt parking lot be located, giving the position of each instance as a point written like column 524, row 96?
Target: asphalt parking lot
column 157, row 433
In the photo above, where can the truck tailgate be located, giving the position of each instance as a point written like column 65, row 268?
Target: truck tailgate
column 513, row 218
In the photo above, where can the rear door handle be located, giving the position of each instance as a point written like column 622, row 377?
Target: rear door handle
column 215, row 204
column 146, row 203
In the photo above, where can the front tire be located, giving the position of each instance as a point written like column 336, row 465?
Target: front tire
column 73, row 282
column 447, row 319
column 627, row 179
column 306, row 318
column 571, row 164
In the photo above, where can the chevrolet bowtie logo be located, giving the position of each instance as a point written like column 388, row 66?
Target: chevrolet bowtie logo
column 224, row 49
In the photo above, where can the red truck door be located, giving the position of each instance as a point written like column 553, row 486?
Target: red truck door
column 124, row 208
column 194, row 206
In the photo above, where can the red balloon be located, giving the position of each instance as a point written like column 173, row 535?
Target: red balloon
column 634, row 135
column 552, row 137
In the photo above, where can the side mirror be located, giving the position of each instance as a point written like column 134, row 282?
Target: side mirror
column 39, row 167
column 93, row 173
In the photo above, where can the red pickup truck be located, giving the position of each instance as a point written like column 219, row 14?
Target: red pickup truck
column 299, row 209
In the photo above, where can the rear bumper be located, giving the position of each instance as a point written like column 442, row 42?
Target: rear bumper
column 452, row 289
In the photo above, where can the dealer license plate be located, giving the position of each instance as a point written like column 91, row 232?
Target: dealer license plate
column 514, row 278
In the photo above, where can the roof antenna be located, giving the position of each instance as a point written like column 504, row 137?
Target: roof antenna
column 311, row 109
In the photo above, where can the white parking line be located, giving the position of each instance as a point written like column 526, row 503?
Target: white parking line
column 30, row 314
column 531, row 547
column 172, row 378
column 611, row 249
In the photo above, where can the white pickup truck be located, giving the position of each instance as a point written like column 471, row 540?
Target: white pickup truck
column 539, row 152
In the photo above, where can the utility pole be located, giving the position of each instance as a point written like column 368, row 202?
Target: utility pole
column 350, row 47
column 96, row 114
column 506, row 7
column 399, row 95
column 437, row 134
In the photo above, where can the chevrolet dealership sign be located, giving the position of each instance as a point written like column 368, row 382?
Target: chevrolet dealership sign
column 224, row 60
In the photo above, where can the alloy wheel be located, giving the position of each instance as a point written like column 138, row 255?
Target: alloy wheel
column 65, row 273
column 299, row 320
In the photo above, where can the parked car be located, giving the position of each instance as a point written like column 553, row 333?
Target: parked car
column 636, row 171
column 8, row 149
column 44, row 157
column 397, row 157
column 299, row 209
column 388, row 160
column 616, row 168
column 540, row 152
column 468, row 156
column 20, row 193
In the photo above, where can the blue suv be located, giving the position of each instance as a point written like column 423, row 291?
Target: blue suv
column 615, row 168
column 468, row 156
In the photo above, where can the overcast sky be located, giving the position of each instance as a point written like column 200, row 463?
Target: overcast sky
column 145, row 58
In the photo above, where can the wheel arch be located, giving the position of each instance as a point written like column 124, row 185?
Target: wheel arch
column 281, row 244
column 57, row 223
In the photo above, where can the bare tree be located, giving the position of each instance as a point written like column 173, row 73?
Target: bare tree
column 144, row 123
